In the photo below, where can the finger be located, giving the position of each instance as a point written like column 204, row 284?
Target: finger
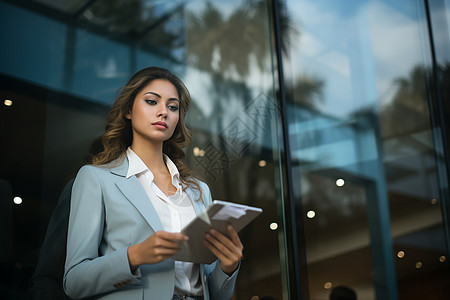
column 233, row 251
column 166, row 244
column 227, row 264
column 222, row 238
column 160, row 243
column 215, row 251
column 235, row 237
column 222, row 251
column 165, row 249
column 172, row 236
column 165, row 252
column 157, row 244
column 158, row 257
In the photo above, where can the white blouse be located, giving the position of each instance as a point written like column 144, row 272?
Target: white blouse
column 175, row 212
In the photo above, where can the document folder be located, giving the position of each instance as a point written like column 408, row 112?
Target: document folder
column 217, row 216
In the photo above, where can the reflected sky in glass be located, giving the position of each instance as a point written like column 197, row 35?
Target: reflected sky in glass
column 346, row 44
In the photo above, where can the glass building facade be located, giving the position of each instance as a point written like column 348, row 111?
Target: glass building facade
column 332, row 116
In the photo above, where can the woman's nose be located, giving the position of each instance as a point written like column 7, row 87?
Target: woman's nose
column 162, row 111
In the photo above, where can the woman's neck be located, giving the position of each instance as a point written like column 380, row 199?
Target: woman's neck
column 152, row 155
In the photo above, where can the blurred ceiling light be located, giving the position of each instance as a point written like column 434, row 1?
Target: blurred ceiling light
column 8, row 102
column 311, row 214
column 262, row 163
column 273, row 226
column 400, row 254
column 328, row 285
column 340, row 182
column 419, row 265
column 433, row 201
column 442, row 258
column 196, row 151
column 17, row 200
column 201, row 152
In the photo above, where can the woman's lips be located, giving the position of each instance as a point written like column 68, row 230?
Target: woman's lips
column 160, row 124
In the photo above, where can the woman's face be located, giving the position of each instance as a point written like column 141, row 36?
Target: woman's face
column 155, row 112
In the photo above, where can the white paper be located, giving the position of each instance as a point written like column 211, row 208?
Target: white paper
column 229, row 211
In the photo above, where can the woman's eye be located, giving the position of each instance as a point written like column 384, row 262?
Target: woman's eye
column 173, row 107
column 151, row 101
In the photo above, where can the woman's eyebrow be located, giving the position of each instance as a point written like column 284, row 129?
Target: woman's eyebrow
column 159, row 96
column 153, row 93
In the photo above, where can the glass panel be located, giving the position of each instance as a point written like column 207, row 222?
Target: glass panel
column 440, row 23
column 62, row 83
column 44, row 36
column 99, row 64
column 362, row 149
column 148, row 21
column 235, row 125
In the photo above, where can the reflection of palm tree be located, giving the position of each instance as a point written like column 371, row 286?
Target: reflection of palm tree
column 306, row 91
column 133, row 19
column 217, row 44
column 444, row 79
column 444, row 88
column 408, row 105
column 204, row 32
column 412, row 90
column 108, row 15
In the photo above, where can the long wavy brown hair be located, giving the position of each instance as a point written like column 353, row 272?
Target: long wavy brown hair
column 118, row 134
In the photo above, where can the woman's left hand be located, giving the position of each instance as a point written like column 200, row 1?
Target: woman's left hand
column 227, row 249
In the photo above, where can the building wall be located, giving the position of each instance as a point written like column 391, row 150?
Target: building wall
column 329, row 115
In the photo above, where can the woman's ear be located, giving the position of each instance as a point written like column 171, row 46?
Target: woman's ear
column 128, row 116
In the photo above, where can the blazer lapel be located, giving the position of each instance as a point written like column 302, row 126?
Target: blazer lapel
column 193, row 195
column 135, row 193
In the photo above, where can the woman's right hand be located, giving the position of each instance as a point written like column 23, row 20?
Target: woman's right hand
column 158, row 247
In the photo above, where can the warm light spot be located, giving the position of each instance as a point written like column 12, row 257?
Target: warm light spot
column 400, row 254
column 254, row 298
column 273, row 226
column 340, row 182
column 262, row 163
column 418, row 265
column 196, row 151
column 17, row 200
column 328, row 285
column 442, row 258
column 433, row 201
column 311, row 214
column 8, row 102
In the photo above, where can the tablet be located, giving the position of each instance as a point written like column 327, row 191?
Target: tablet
column 217, row 216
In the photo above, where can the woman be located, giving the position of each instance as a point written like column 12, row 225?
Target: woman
column 129, row 206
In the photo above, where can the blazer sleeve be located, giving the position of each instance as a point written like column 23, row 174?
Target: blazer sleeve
column 220, row 285
column 86, row 273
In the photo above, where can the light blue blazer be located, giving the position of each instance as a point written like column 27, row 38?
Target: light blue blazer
column 108, row 213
